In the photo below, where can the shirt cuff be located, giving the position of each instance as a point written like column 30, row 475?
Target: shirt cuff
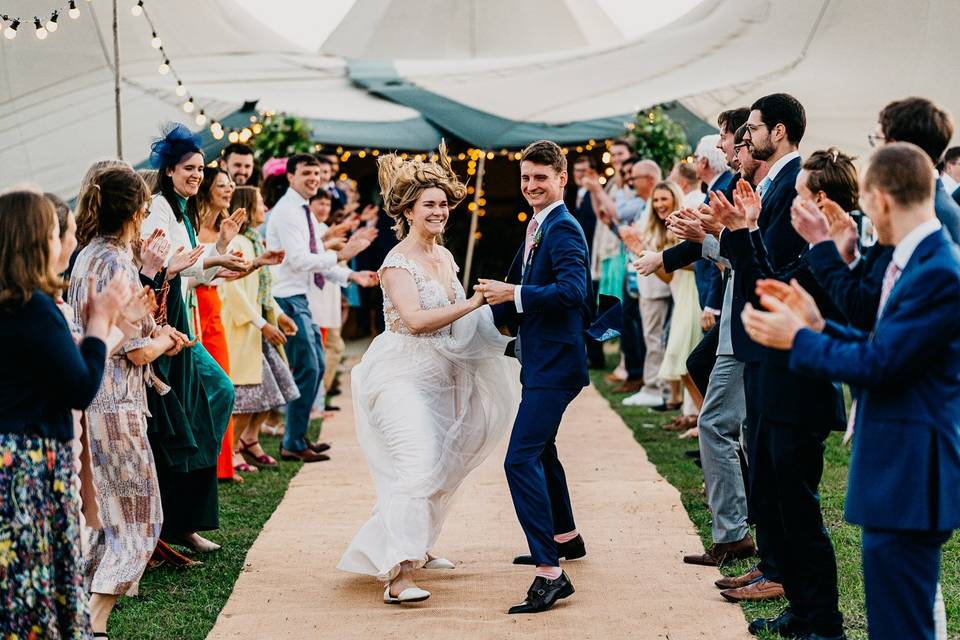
column 715, row 312
column 517, row 300
column 259, row 321
column 855, row 262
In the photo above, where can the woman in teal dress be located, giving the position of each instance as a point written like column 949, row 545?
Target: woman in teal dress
column 187, row 423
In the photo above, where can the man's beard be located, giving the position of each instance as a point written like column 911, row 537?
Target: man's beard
column 761, row 153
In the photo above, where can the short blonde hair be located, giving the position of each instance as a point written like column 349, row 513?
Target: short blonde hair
column 402, row 182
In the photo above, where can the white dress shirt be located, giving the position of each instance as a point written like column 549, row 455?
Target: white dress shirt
column 949, row 184
column 161, row 216
column 780, row 164
column 539, row 217
column 287, row 230
column 909, row 243
column 325, row 303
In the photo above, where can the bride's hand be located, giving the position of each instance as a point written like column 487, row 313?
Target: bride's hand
column 477, row 300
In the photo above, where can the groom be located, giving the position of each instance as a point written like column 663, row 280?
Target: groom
column 548, row 301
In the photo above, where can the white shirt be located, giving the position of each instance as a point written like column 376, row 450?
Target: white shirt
column 161, row 216
column 325, row 303
column 909, row 243
column 948, row 182
column 693, row 199
column 780, row 164
column 287, row 230
column 539, row 217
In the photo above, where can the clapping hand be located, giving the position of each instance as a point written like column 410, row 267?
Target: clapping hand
column 685, row 224
column 365, row 278
column 726, row 213
column 809, row 221
column 182, row 260
column 232, row 261
column 370, row 212
column 843, row 230
column 267, row 258
column 747, row 202
column 142, row 303
column 632, row 238
column 229, row 228
column 153, row 252
column 708, row 221
column 791, row 309
column 648, row 262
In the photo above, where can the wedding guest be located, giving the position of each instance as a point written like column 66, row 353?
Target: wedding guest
column 584, row 173
column 256, row 330
column 796, row 412
column 712, row 170
column 684, row 175
column 905, row 465
column 237, row 160
column 212, row 204
column 40, row 529
column 950, row 174
column 122, row 462
column 187, row 424
column 291, row 229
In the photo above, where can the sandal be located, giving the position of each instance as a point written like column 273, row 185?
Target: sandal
column 257, row 461
column 243, row 467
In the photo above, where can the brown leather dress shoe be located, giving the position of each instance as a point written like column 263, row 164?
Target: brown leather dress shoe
column 629, row 386
column 735, row 582
column 681, row 423
column 720, row 552
column 613, row 379
column 318, row 447
column 303, row 456
column 756, row 591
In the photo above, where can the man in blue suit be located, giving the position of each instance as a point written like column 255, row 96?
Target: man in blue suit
column 548, row 298
column 905, row 466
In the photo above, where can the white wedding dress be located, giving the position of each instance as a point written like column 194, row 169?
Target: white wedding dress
column 429, row 409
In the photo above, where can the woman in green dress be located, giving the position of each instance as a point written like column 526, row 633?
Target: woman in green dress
column 187, row 423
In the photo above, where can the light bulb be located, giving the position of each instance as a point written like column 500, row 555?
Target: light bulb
column 52, row 22
column 233, row 136
column 245, row 135
column 155, row 41
column 201, row 118
column 217, row 134
column 137, row 9
column 164, row 68
column 41, row 32
column 74, row 12
column 188, row 106
column 11, row 31
column 181, row 90
column 216, row 126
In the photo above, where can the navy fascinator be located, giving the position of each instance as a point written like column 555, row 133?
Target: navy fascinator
column 177, row 141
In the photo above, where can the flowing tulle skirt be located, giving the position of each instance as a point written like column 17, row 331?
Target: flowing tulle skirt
column 428, row 411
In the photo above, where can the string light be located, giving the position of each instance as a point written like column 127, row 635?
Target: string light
column 155, row 41
column 74, row 13
column 201, row 118
column 137, row 9
column 164, row 67
column 188, row 106
column 181, row 90
column 11, row 31
column 52, row 25
column 41, row 30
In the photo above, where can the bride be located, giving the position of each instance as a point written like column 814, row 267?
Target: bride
column 432, row 394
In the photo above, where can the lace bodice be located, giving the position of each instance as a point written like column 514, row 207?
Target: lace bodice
column 433, row 294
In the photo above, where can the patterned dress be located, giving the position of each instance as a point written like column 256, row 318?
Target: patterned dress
column 123, row 467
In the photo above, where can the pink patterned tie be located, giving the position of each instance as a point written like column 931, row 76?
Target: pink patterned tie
column 889, row 279
column 531, row 234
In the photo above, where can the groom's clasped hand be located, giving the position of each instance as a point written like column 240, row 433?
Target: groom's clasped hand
column 494, row 291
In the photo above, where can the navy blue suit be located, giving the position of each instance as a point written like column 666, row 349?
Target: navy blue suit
column 708, row 276
column 948, row 211
column 905, row 466
column 558, row 306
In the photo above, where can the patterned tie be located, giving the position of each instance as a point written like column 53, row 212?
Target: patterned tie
column 531, row 234
column 318, row 278
column 889, row 279
column 763, row 186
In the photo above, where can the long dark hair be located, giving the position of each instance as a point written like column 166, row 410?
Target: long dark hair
column 26, row 221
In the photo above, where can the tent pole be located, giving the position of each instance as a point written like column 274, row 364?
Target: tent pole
column 472, row 238
column 116, row 80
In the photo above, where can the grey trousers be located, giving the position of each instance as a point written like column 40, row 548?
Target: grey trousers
column 724, row 411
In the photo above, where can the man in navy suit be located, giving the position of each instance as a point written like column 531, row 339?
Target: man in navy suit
column 548, row 298
column 905, row 466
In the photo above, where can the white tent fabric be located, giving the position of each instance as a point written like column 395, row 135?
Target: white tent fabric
column 56, row 95
column 844, row 60
column 456, row 29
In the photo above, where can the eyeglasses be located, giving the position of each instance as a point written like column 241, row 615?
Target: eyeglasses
column 737, row 147
column 876, row 139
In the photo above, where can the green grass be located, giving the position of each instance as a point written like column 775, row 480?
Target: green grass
column 185, row 603
column 665, row 451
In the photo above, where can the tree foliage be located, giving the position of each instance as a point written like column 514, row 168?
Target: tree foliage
column 656, row 136
column 282, row 135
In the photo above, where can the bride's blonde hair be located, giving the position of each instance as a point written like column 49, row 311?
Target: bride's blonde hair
column 403, row 181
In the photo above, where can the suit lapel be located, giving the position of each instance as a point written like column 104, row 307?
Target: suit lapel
column 927, row 247
column 542, row 232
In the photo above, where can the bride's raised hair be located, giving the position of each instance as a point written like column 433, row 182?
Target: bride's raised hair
column 403, row 181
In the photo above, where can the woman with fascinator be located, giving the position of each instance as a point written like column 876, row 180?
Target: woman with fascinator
column 433, row 393
column 188, row 423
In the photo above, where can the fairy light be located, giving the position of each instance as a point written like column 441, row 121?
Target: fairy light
column 188, row 106
column 74, row 13
column 41, row 30
column 52, row 25
column 155, row 41
column 11, row 31
column 181, row 90
column 164, row 67
column 137, row 9
column 201, row 118
column 233, row 137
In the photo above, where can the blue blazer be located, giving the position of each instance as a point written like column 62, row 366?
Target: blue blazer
column 905, row 467
column 558, row 305
column 708, row 276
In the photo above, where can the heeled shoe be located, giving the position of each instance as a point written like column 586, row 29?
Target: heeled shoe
column 439, row 563
column 411, row 594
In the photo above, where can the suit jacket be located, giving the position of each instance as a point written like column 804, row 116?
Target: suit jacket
column 905, row 466
column 856, row 292
column 587, row 218
column 558, row 305
column 709, row 278
column 948, row 211
column 956, row 195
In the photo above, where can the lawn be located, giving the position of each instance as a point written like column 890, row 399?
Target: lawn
column 666, row 452
column 183, row 604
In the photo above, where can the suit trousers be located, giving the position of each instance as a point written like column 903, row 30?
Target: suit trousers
column 701, row 360
column 900, row 573
column 631, row 337
column 789, row 465
column 721, row 417
column 535, row 476
column 305, row 355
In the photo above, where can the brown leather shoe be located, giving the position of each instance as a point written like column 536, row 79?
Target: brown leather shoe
column 735, row 582
column 720, row 552
column 681, row 423
column 303, row 456
column 318, row 447
column 629, row 386
column 761, row 589
column 613, row 379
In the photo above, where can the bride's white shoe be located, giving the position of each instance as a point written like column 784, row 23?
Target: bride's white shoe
column 439, row 563
column 411, row 594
